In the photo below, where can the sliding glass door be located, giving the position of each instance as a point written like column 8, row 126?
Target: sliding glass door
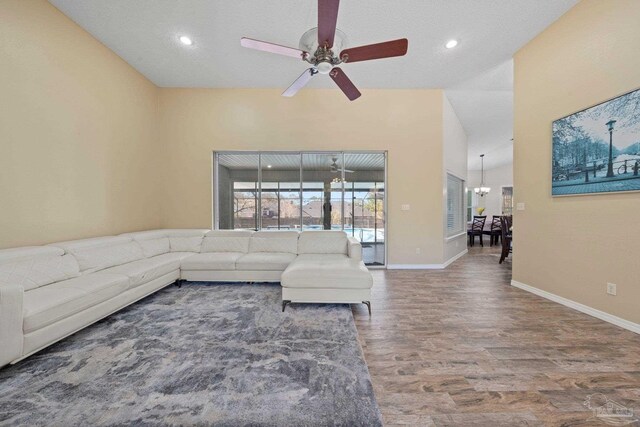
column 280, row 191
column 304, row 191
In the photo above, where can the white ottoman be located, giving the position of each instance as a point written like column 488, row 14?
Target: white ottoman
column 326, row 278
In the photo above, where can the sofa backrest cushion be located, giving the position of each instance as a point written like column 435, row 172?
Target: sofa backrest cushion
column 14, row 254
column 35, row 266
column 152, row 242
column 158, row 242
column 154, row 247
column 274, row 241
column 185, row 244
column 39, row 270
column 227, row 241
column 322, row 242
column 146, row 234
column 102, row 252
column 186, row 240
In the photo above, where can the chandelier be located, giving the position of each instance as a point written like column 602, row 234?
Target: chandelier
column 482, row 190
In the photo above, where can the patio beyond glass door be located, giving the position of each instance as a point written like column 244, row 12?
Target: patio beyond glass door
column 304, row 191
column 322, row 191
column 364, row 181
column 280, row 192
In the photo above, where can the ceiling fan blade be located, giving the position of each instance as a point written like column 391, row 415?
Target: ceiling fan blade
column 337, row 170
column 272, row 48
column 300, row 82
column 375, row 51
column 327, row 18
column 345, row 84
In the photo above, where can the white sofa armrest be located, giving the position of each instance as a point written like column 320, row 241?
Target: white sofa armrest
column 11, row 336
column 354, row 249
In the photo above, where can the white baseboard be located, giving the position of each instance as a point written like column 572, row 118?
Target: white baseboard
column 425, row 266
column 618, row 321
column 415, row 266
column 455, row 257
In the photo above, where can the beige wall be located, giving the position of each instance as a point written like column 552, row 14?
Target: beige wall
column 573, row 246
column 78, row 146
column 407, row 123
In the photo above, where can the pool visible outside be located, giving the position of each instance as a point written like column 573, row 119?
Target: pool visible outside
column 364, row 235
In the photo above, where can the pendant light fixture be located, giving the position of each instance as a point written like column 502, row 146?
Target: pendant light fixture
column 482, row 190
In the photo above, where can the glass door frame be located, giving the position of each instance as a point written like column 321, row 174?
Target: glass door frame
column 215, row 208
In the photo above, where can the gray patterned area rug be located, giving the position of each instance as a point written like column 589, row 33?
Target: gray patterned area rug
column 204, row 354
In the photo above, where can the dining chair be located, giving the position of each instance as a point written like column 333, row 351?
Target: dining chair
column 506, row 222
column 494, row 232
column 477, row 227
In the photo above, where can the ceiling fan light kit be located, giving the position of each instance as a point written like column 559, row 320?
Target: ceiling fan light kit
column 318, row 47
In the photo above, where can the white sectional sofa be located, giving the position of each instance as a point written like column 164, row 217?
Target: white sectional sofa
column 49, row 292
column 242, row 256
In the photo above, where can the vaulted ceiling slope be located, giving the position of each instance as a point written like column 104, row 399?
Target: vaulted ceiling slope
column 484, row 105
column 145, row 34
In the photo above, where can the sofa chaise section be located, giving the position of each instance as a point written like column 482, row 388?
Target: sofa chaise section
column 328, row 269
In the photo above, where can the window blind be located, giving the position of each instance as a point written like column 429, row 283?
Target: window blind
column 455, row 205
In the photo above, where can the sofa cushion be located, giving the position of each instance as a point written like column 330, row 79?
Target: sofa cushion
column 102, row 252
column 185, row 244
column 212, row 261
column 185, row 232
column 153, row 247
column 322, row 242
column 147, row 234
column 274, row 241
column 332, row 271
column 152, row 242
column 227, row 241
column 265, row 261
column 145, row 270
column 171, row 256
column 92, row 242
column 185, row 240
column 38, row 271
column 48, row 304
column 100, row 258
column 14, row 254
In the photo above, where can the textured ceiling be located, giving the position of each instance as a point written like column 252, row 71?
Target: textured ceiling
column 478, row 74
column 484, row 105
column 145, row 33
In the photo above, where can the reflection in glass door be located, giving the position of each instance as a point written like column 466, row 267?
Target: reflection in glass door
column 237, row 192
column 280, row 191
column 304, row 191
column 364, row 202
column 322, row 191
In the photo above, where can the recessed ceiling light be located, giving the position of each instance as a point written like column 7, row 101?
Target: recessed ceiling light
column 186, row 40
column 451, row 44
column 269, row 166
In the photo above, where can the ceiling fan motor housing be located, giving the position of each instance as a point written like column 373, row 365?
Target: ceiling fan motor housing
column 323, row 58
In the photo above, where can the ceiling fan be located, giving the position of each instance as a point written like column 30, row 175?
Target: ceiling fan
column 325, row 41
column 335, row 168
